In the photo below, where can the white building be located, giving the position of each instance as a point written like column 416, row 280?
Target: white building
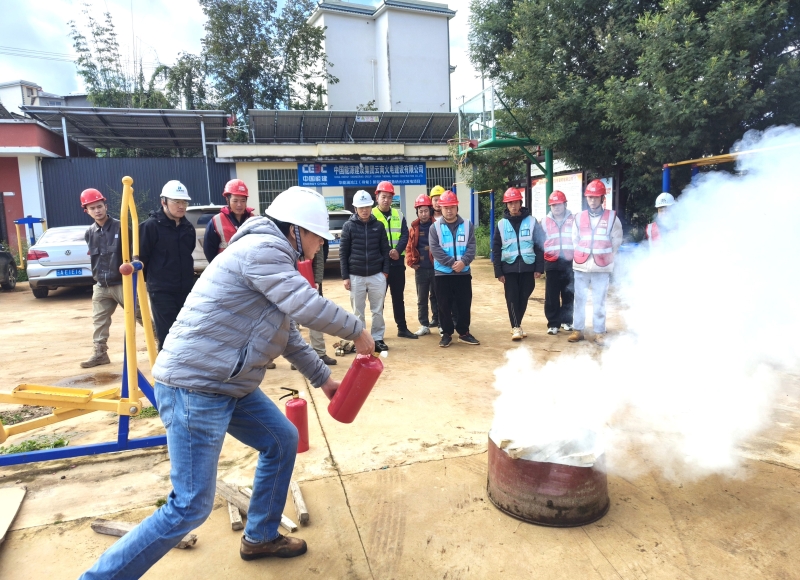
column 15, row 94
column 396, row 54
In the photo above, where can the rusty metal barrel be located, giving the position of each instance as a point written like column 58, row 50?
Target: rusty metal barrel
column 548, row 494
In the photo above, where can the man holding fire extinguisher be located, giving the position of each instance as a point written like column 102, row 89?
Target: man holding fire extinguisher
column 237, row 319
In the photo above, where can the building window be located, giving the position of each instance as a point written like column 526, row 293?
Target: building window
column 271, row 182
column 444, row 176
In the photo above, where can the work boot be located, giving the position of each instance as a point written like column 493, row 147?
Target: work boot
column 327, row 360
column 280, row 547
column 100, row 356
column 516, row 333
column 600, row 339
column 576, row 336
column 406, row 333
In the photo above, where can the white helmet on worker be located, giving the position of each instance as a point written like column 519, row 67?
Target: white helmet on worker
column 302, row 207
column 665, row 200
column 362, row 199
column 175, row 190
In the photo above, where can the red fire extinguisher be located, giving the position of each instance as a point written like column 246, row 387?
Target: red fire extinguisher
column 297, row 413
column 307, row 271
column 355, row 387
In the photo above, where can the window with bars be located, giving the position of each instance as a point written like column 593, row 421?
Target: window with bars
column 271, row 182
column 444, row 176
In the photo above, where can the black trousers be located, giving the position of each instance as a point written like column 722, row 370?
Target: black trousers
column 165, row 307
column 426, row 290
column 396, row 285
column 559, row 295
column 518, row 288
column 454, row 290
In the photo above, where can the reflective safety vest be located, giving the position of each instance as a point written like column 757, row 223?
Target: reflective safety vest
column 517, row 244
column 393, row 226
column 226, row 228
column 454, row 248
column 596, row 242
column 651, row 232
column 558, row 240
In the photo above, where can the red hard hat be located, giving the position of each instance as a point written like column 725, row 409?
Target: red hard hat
column 385, row 186
column 91, row 195
column 512, row 194
column 423, row 199
column 557, row 197
column 235, row 187
column 595, row 189
column 448, row 198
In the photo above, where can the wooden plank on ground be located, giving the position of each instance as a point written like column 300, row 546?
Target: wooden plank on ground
column 236, row 517
column 299, row 503
column 231, row 493
column 10, row 502
column 119, row 529
column 285, row 522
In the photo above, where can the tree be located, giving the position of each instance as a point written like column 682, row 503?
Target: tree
column 622, row 87
column 259, row 58
column 99, row 64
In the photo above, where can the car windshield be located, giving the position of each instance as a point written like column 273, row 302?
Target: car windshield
column 62, row 236
column 337, row 221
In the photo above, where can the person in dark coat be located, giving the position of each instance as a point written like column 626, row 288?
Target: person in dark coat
column 518, row 257
column 364, row 259
column 166, row 242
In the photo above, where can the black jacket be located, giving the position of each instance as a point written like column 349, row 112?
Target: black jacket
column 105, row 250
column 363, row 248
column 519, row 266
column 166, row 249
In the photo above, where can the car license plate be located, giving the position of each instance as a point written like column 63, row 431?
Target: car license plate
column 69, row 272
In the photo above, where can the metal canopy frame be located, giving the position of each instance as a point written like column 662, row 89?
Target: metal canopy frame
column 103, row 127
column 308, row 127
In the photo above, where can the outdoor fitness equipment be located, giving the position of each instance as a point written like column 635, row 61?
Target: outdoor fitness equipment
column 125, row 400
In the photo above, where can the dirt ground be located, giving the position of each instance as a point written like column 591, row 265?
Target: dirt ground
column 401, row 492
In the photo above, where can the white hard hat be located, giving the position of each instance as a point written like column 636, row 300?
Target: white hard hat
column 665, row 200
column 175, row 190
column 302, row 207
column 362, row 199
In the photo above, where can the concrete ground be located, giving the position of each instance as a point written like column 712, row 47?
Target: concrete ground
column 401, row 492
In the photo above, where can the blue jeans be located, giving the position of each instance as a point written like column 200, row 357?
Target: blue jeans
column 196, row 424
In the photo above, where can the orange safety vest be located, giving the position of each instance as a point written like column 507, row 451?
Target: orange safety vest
column 596, row 242
column 558, row 239
column 226, row 228
column 651, row 232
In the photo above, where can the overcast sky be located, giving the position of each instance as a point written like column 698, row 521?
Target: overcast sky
column 160, row 29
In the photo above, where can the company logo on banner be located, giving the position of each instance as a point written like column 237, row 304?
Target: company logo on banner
column 360, row 174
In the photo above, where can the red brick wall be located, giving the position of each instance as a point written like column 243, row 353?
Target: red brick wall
column 9, row 181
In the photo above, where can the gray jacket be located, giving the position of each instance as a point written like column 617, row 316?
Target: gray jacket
column 239, row 317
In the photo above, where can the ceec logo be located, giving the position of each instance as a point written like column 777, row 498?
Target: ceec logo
column 313, row 167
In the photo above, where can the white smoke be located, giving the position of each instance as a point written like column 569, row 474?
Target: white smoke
column 711, row 319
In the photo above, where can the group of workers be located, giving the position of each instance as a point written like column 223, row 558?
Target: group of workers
column 219, row 333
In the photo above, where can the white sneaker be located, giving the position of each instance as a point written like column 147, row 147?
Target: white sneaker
column 423, row 330
column 516, row 333
column 524, row 334
column 567, row 327
column 552, row 330
column 441, row 332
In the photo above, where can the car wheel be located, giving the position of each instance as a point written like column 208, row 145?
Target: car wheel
column 40, row 292
column 11, row 277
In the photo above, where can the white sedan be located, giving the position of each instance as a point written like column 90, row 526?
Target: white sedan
column 59, row 258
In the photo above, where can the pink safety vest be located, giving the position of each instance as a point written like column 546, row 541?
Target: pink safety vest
column 558, row 240
column 651, row 232
column 597, row 242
